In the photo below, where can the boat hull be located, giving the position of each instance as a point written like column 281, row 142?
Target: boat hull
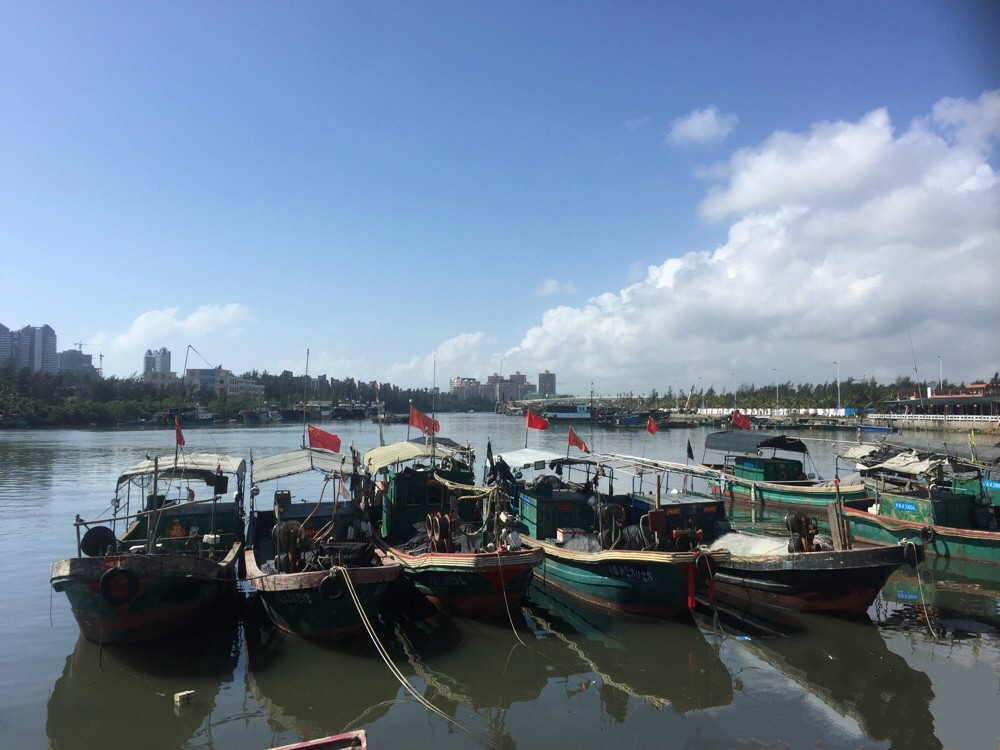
column 784, row 496
column 945, row 541
column 842, row 582
column 637, row 582
column 154, row 596
column 484, row 584
column 301, row 604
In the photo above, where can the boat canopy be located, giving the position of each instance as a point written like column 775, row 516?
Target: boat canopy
column 385, row 456
column 188, row 466
column 910, row 463
column 298, row 462
column 857, row 452
column 750, row 441
column 962, row 450
column 527, row 458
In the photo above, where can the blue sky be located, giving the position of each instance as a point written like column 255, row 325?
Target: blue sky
column 631, row 195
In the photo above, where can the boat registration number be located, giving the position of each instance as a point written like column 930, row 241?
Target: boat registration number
column 630, row 573
column 908, row 507
column 991, row 484
column 113, row 562
column 292, row 597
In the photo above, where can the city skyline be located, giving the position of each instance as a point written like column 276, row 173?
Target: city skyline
column 636, row 198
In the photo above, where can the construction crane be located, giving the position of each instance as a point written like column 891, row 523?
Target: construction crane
column 687, row 404
column 100, row 355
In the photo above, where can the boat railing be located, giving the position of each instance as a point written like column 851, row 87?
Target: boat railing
column 937, row 417
column 139, row 514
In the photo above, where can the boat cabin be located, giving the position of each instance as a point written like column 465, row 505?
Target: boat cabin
column 746, row 456
column 562, row 498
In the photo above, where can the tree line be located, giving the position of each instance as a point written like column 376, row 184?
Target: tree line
column 66, row 398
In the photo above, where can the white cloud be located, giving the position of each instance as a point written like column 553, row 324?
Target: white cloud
column 841, row 240
column 552, row 287
column 464, row 355
column 157, row 328
column 701, row 126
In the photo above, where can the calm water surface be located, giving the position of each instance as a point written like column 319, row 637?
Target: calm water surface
column 562, row 676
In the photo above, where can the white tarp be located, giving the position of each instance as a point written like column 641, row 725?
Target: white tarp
column 857, row 452
column 385, row 456
column 298, row 462
column 526, row 458
column 909, row 463
column 188, row 464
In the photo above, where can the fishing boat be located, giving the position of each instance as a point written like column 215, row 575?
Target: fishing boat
column 357, row 740
column 633, row 552
column 314, row 562
column 572, row 413
column 804, row 574
column 262, row 415
column 938, row 496
column 874, row 427
column 454, row 540
column 748, row 475
column 175, row 558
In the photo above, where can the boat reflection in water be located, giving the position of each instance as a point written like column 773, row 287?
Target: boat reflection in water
column 312, row 689
column 113, row 698
column 846, row 664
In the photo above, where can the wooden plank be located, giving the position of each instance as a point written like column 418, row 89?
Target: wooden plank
column 836, row 528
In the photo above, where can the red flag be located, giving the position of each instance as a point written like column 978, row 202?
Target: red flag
column 574, row 440
column 651, row 427
column 741, row 420
column 536, row 422
column 177, row 430
column 422, row 422
column 323, row 440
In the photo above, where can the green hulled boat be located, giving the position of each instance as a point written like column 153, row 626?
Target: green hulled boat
column 749, row 475
column 944, row 500
column 628, row 552
column 453, row 541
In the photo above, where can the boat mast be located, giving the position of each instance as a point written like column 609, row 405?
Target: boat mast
column 305, row 387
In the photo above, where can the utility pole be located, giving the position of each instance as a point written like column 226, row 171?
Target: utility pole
column 838, row 387
column 775, row 371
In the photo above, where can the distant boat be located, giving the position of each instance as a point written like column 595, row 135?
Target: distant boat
column 874, row 427
column 567, row 413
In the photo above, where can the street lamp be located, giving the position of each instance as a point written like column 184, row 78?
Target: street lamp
column 775, row 371
column 733, row 374
column 838, row 389
column 702, row 388
column 940, row 375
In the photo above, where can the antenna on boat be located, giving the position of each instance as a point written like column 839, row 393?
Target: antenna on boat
column 433, row 409
column 916, row 375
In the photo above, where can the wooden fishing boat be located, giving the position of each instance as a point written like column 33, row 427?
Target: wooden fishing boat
column 454, row 541
column 803, row 575
column 939, row 497
column 357, row 740
column 314, row 563
column 748, row 475
column 175, row 558
column 627, row 552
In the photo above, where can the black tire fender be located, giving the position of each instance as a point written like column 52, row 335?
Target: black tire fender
column 927, row 535
column 331, row 587
column 110, row 585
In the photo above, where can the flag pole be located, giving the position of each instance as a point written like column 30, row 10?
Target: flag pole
column 408, row 421
column 526, row 428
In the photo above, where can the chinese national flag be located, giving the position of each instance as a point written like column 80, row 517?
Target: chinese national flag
column 536, row 422
column 323, row 440
column 574, row 440
column 651, row 427
column 741, row 421
column 422, row 422
column 177, row 430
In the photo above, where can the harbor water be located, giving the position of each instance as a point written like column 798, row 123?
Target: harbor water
column 920, row 672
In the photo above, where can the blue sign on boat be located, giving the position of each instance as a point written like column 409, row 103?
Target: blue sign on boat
column 900, row 505
column 908, row 596
column 991, row 484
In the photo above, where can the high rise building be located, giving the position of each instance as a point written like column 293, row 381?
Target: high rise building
column 33, row 347
column 158, row 361
column 546, row 383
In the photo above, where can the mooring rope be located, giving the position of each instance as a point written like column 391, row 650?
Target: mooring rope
column 395, row 670
column 920, row 588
